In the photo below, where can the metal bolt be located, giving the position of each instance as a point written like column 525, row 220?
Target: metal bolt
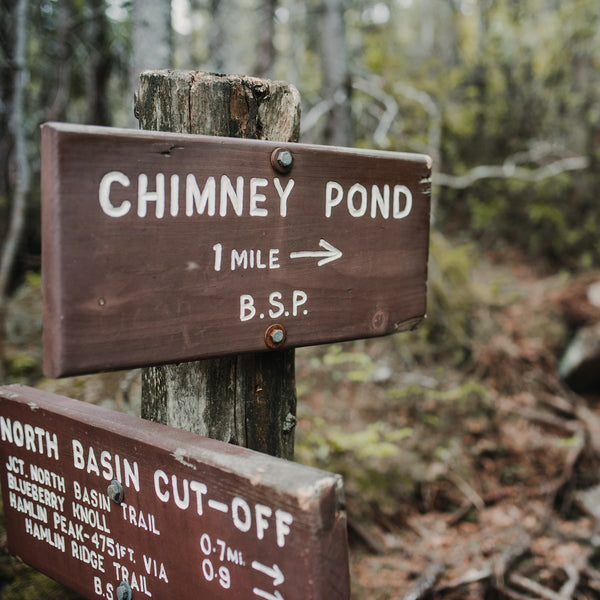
column 116, row 492
column 124, row 591
column 282, row 160
column 275, row 336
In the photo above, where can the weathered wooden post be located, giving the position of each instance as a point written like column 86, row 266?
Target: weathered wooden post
column 248, row 399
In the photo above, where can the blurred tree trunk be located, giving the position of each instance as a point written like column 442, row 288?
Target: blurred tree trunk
column 152, row 39
column 216, row 36
column 480, row 82
column 22, row 177
column 266, row 50
column 428, row 29
column 337, row 82
column 7, row 75
column 61, row 89
column 100, row 65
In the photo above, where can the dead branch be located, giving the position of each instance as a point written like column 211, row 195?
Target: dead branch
column 425, row 583
column 390, row 109
column 362, row 534
column 569, row 587
column 535, row 588
column 510, row 171
column 504, row 562
column 545, row 418
column 593, row 577
column 319, row 110
column 471, row 576
column 434, row 137
column 472, row 496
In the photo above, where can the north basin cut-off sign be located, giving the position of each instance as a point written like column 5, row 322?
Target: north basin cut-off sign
column 106, row 503
column 161, row 247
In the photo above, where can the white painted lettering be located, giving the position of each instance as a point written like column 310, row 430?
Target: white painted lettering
column 78, row 460
column 262, row 524
column 247, row 310
column 357, row 200
column 202, row 201
column 332, row 200
column 33, row 439
column 239, row 259
column 174, row 206
column 284, row 194
column 381, row 201
column 402, row 190
column 218, row 250
column 144, row 196
column 200, row 489
column 243, row 521
column 362, row 208
column 299, row 299
column 255, row 197
column 104, row 194
column 18, row 434
column 236, row 196
column 158, row 477
column 126, row 472
column 283, row 520
column 277, row 306
column 15, row 465
column 181, row 502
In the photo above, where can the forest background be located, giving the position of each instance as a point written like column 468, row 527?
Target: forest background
column 467, row 415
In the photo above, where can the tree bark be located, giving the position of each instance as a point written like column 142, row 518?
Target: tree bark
column 248, row 400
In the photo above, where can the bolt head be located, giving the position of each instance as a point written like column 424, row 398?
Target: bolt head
column 115, row 491
column 124, row 591
column 282, row 160
column 275, row 336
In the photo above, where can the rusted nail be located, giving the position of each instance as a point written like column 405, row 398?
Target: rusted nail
column 116, row 492
column 282, row 160
column 124, row 591
column 275, row 336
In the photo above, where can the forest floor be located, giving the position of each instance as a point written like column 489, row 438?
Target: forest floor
column 471, row 470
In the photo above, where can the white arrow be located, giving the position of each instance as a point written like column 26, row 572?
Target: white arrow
column 274, row 572
column 266, row 595
column 328, row 254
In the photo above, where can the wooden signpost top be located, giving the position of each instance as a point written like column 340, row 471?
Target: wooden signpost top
column 93, row 498
column 161, row 247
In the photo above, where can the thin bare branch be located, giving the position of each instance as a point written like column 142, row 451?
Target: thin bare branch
column 319, row 110
column 510, row 171
column 390, row 109
column 425, row 583
column 434, row 138
column 534, row 587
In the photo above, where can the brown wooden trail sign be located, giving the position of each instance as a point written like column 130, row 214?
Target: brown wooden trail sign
column 161, row 247
column 246, row 525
